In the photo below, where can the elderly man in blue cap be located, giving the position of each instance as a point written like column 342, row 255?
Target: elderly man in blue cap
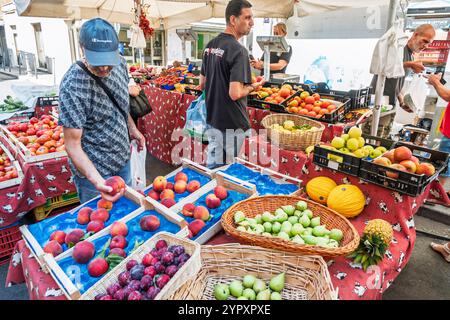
column 94, row 113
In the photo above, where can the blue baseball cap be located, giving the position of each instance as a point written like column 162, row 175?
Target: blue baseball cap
column 100, row 43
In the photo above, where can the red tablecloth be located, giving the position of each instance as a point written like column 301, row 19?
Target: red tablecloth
column 41, row 180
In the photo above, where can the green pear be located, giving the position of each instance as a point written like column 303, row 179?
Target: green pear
column 277, row 282
column 284, row 236
column 259, row 286
column 267, row 217
column 297, row 229
column 259, row 229
column 336, row 234
column 315, row 222
column 323, row 242
column 267, row 227
column 236, row 288
column 281, row 217
column 309, row 213
column 252, row 221
column 310, row 240
column 241, row 228
column 297, row 239
column 275, row 296
column 289, row 210
column 258, row 219
column 250, row 230
column 248, row 281
column 333, row 243
column 307, row 232
column 276, row 227
column 244, row 223
column 239, row 216
column 318, row 231
column 263, row 295
column 301, row 205
column 279, row 211
column 293, row 220
column 266, row 234
column 304, row 220
column 286, row 227
column 249, row 294
column 298, row 213
column 221, row 291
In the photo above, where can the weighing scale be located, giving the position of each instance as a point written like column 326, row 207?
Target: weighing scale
column 186, row 35
column 271, row 44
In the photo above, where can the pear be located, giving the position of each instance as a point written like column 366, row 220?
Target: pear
column 249, row 280
column 275, row 296
column 284, row 236
column 239, row 216
column 298, row 213
column 310, row 240
column 315, row 222
column 299, row 240
column 244, row 223
column 277, row 282
column 286, row 227
column 251, row 221
column 323, row 242
column 259, row 229
column 241, row 228
column 336, row 234
column 293, row 220
column 267, row 217
column 309, row 213
column 281, row 217
column 267, row 227
column 249, row 294
column 263, row 295
column 242, row 298
column 259, row 286
column 301, row 205
column 333, row 243
column 276, row 227
column 304, row 220
column 279, row 211
column 258, row 219
column 307, row 232
column 289, row 210
column 319, row 231
column 297, row 229
column 266, row 234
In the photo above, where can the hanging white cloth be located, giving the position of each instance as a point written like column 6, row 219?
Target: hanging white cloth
column 137, row 37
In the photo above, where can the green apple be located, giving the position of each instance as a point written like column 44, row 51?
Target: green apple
column 275, row 296
column 239, row 216
column 276, row 227
column 267, row 217
column 375, row 153
column 304, row 220
column 277, row 282
column 336, row 234
column 338, row 142
column 263, row 295
column 298, row 239
column 249, row 294
column 298, row 213
column 221, row 291
column 354, row 132
column 293, row 220
column 284, row 236
column 360, row 153
column 286, row 227
column 361, row 142
column 319, row 231
column 368, row 148
column 267, row 227
column 258, row 219
column 259, row 286
column 242, row 298
column 345, row 150
column 297, row 229
column 309, row 213
column 352, row 144
column 289, row 210
column 345, row 136
column 259, row 229
column 236, row 288
column 315, row 222
column 248, row 281
column 381, row 149
column 301, row 205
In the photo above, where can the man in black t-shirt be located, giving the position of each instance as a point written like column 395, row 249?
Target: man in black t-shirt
column 226, row 79
column 278, row 60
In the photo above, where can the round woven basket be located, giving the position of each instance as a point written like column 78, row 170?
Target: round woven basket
column 331, row 219
column 295, row 140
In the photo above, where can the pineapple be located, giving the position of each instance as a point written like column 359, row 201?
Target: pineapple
column 376, row 239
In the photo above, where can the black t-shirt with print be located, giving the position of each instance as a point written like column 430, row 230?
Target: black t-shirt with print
column 225, row 60
column 275, row 57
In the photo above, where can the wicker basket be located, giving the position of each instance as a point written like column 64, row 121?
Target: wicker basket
column 332, row 219
column 293, row 141
column 307, row 277
column 187, row 271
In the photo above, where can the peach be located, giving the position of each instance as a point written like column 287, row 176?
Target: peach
column 59, row 236
column 100, row 214
column 201, row 213
column 409, row 165
column 169, row 185
column 154, row 195
column 168, row 202
column 390, row 155
column 415, row 160
column 83, row 252
column 118, row 251
column 181, row 176
column 97, row 267
column 118, row 228
column 394, row 175
column 193, row 186
column 54, row 248
column 159, row 184
column 104, row 204
column 383, row 161
column 180, row 186
column 84, row 215
column 118, row 242
column 167, row 194
column 74, row 236
column 195, row 226
column 188, row 210
column 221, row 192
column 402, row 153
column 425, row 168
column 212, row 201
column 116, row 183
column 149, row 223
column 95, row 226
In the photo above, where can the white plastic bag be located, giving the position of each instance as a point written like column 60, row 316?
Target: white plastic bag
column 138, row 180
column 415, row 93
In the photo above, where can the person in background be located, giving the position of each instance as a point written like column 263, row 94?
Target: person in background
column 97, row 134
column 226, row 80
column 278, row 60
column 444, row 93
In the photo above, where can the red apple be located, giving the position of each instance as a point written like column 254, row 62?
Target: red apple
column 383, row 161
column 396, row 166
column 409, row 165
column 402, row 153
column 425, row 168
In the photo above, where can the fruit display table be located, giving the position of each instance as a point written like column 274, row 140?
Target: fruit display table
column 41, row 180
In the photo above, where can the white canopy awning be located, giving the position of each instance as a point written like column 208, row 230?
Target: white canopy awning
column 175, row 12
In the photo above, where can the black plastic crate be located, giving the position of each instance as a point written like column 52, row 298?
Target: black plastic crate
column 193, row 92
column 47, row 101
column 359, row 99
column 405, row 183
column 346, row 163
column 253, row 101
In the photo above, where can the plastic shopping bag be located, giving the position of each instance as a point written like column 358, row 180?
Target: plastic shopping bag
column 196, row 124
column 138, row 180
column 416, row 93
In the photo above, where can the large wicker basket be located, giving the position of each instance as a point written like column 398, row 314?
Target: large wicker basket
column 332, row 219
column 294, row 140
column 307, row 277
column 187, row 271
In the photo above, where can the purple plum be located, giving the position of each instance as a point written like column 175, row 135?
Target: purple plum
column 176, row 250
column 131, row 264
column 152, row 293
column 167, row 258
column 161, row 244
column 159, row 267
column 137, row 272
column 146, row 282
column 162, row 280
column 124, row 278
column 171, row 270
column 112, row 289
column 120, row 295
column 134, row 284
column 135, row 295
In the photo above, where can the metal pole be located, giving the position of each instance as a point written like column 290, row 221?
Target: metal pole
column 379, row 90
column 266, row 63
column 393, row 5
